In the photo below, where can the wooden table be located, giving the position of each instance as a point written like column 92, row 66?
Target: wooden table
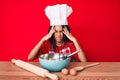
column 103, row 71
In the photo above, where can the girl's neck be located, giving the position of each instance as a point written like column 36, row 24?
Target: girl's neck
column 59, row 44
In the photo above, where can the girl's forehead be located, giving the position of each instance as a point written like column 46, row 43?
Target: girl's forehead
column 58, row 27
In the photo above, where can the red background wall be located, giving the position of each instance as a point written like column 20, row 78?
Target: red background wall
column 96, row 24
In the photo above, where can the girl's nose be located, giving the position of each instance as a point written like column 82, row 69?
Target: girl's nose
column 58, row 33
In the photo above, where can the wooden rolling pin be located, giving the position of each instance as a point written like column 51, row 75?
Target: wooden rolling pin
column 74, row 70
column 34, row 69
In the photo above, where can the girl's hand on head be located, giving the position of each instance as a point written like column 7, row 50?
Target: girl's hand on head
column 49, row 35
column 68, row 34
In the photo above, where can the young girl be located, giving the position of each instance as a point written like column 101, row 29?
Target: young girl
column 59, row 39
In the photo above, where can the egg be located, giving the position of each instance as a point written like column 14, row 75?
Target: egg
column 73, row 72
column 64, row 71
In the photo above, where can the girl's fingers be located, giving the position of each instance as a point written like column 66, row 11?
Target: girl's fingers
column 66, row 32
column 65, row 29
column 52, row 29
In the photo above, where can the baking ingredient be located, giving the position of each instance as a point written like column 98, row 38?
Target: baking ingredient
column 65, row 71
column 73, row 72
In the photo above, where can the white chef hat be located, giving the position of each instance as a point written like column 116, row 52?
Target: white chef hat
column 57, row 14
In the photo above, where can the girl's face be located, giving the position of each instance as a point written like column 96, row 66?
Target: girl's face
column 58, row 35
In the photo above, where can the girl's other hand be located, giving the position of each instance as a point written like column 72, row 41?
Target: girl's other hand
column 49, row 35
column 68, row 34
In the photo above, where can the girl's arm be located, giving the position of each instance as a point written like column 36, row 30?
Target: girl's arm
column 81, row 54
column 36, row 49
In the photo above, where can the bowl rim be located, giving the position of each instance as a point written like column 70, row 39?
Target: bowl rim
column 55, row 59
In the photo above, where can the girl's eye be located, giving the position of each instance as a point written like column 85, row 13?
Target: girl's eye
column 61, row 31
column 55, row 31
